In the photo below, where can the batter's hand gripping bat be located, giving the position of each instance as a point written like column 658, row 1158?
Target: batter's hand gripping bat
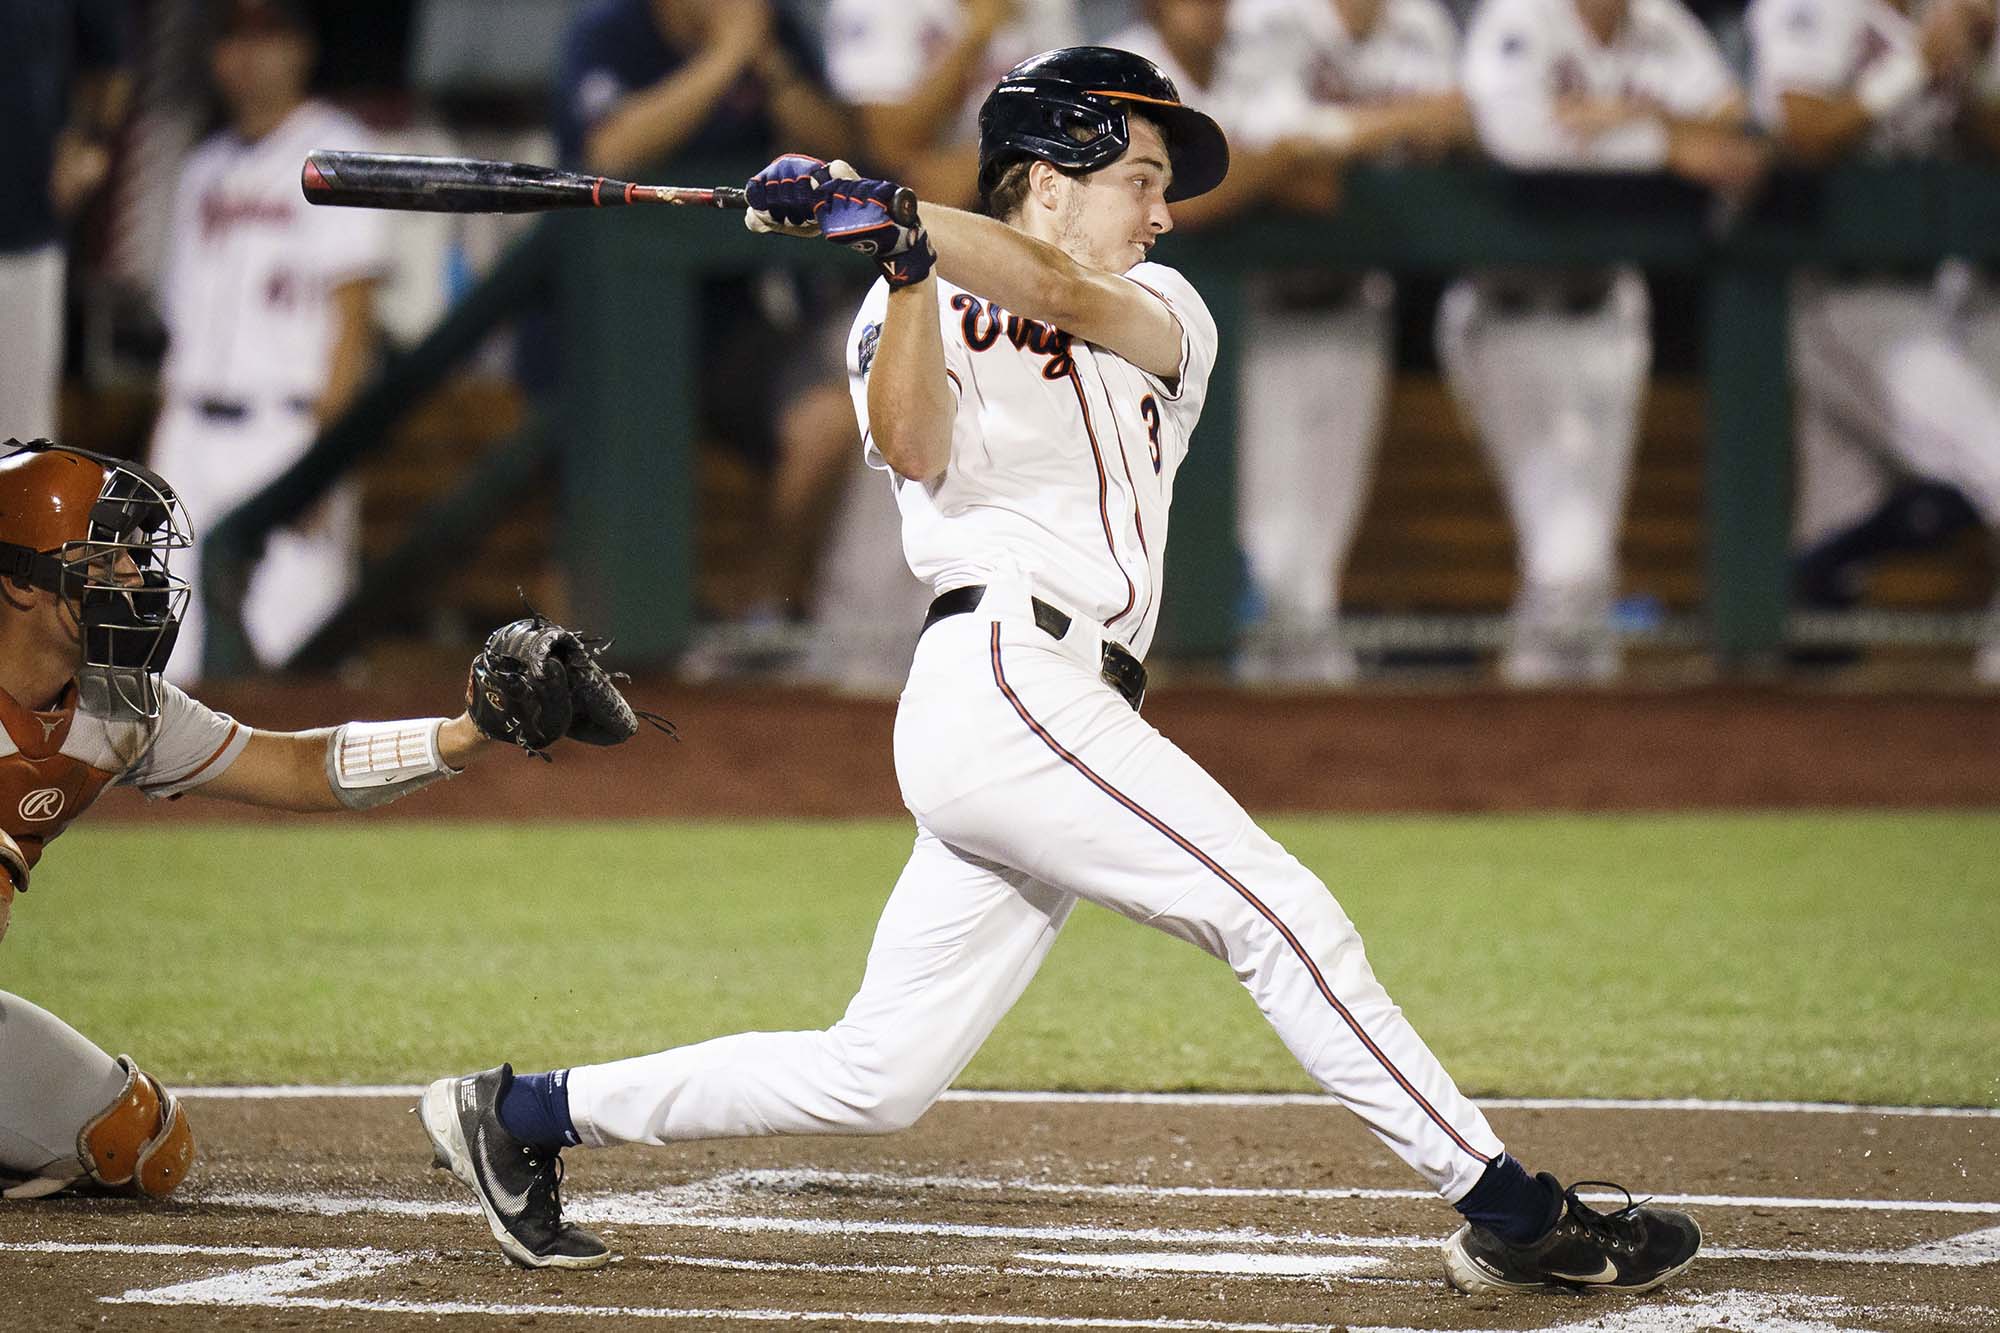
column 473, row 185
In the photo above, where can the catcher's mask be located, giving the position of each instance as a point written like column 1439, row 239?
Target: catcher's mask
column 97, row 532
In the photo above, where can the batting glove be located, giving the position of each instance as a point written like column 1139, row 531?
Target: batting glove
column 784, row 196
column 857, row 214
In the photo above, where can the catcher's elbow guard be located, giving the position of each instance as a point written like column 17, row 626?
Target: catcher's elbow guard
column 373, row 763
column 142, row 1140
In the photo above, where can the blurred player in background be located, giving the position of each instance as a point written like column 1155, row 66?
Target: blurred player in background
column 1898, row 369
column 1551, row 367
column 641, row 83
column 63, row 92
column 268, row 307
column 916, row 73
column 1366, row 79
column 89, row 612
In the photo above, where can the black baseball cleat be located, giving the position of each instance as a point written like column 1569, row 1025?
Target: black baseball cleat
column 517, row 1184
column 1632, row 1250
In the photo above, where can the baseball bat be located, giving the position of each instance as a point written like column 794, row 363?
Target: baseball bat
column 474, row 185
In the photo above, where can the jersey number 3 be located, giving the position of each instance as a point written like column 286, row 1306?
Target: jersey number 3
column 1150, row 410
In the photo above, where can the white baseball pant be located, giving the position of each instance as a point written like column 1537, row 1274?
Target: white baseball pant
column 1313, row 389
column 1555, row 398
column 307, row 569
column 31, row 294
column 1035, row 785
column 1888, row 383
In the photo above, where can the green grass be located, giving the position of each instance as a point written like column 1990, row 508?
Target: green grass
column 1824, row 957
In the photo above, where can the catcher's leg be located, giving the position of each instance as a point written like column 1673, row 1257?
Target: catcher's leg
column 68, row 1110
column 957, row 943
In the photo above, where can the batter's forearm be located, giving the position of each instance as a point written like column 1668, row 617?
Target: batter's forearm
column 1001, row 263
column 910, row 404
column 1033, row 278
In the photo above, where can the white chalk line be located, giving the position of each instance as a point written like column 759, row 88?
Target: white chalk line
column 1213, row 1099
column 1976, row 1248
column 276, row 1286
column 785, row 1180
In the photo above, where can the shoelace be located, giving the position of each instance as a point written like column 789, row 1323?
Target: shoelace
column 547, row 1183
column 1622, row 1230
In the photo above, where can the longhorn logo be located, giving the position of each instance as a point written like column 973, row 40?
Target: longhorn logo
column 41, row 805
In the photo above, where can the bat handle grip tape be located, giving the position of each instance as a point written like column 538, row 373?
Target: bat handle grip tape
column 902, row 204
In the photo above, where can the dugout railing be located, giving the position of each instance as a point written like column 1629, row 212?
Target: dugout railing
column 622, row 288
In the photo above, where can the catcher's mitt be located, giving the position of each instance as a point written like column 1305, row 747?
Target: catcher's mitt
column 518, row 690
column 535, row 682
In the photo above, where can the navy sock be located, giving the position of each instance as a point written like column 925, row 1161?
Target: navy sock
column 535, row 1109
column 1510, row 1203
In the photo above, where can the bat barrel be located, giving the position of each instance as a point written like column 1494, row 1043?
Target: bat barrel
column 449, row 184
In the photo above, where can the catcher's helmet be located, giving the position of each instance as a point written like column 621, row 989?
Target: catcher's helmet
column 1069, row 108
column 97, row 531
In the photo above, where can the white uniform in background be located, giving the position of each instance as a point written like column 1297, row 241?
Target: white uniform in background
column 865, row 604
column 1552, row 367
column 246, row 299
column 1035, row 784
column 878, row 53
column 1316, row 361
column 1887, row 382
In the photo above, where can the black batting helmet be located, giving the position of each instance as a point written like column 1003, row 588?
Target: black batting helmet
column 1069, row 108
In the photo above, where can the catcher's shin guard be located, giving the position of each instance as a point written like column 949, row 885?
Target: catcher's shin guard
column 141, row 1141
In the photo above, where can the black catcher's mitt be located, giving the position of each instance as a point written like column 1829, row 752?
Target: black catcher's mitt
column 519, row 689
column 535, row 682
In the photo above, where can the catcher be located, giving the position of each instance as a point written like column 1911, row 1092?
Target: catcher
column 88, row 614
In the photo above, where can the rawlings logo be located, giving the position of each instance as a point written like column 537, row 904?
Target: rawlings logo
column 41, row 805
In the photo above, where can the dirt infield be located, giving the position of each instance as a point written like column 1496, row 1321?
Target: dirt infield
column 750, row 753
column 1164, row 1213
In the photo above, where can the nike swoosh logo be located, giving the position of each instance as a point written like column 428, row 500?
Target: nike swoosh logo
column 509, row 1201
column 1609, row 1273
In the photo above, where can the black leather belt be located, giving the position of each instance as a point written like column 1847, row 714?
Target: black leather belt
column 1120, row 670
column 1561, row 294
column 234, row 409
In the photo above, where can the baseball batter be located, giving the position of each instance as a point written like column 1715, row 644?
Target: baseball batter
column 89, row 612
column 1031, row 381
column 268, row 308
column 1888, row 364
column 1551, row 368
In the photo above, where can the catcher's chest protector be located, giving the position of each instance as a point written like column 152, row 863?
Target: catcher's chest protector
column 42, row 786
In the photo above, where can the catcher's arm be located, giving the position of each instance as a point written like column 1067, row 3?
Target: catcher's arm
column 301, row 771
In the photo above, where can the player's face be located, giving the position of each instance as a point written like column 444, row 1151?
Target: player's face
column 258, row 68
column 1196, row 25
column 1109, row 219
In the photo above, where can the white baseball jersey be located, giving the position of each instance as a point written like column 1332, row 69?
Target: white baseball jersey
column 1835, row 48
column 251, row 264
column 1411, row 50
column 877, row 53
column 1063, row 455
column 1522, row 55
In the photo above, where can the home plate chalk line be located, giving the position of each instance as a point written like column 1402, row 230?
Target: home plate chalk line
column 708, row 1206
column 287, row 1284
